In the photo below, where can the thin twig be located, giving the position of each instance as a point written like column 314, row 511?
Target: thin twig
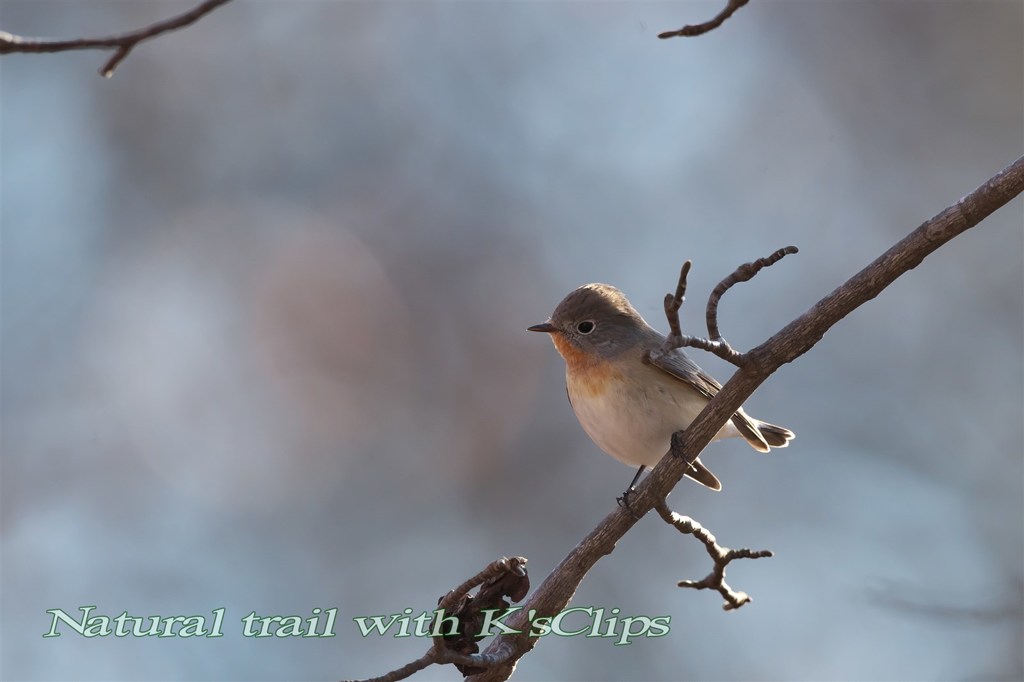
column 714, row 343
column 720, row 556
column 721, row 348
column 676, row 338
column 123, row 43
column 495, row 568
column 743, row 273
column 674, row 303
column 698, row 29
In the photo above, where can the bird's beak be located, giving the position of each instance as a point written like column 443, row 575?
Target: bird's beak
column 543, row 327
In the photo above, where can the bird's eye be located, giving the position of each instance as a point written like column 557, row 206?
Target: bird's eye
column 585, row 327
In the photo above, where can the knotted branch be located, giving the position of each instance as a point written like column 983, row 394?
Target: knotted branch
column 123, row 43
column 699, row 29
column 720, row 556
column 500, row 579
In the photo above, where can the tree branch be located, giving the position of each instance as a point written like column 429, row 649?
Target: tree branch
column 699, row 29
column 714, row 343
column 743, row 273
column 720, row 556
column 500, row 579
column 122, row 43
column 785, row 346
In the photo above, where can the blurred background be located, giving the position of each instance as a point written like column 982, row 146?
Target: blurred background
column 265, row 298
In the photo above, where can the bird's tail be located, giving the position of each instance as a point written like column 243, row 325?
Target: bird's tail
column 775, row 436
column 761, row 436
column 703, row 475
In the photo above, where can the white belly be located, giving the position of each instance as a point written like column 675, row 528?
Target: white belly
column 634, row 422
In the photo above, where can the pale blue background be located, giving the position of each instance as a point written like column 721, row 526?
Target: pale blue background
column 264, row 305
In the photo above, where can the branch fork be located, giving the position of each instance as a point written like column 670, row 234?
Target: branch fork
column 714, row 343
column 720, row 556
column 122, row 44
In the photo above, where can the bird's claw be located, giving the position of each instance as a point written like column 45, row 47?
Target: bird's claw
column 623, row 501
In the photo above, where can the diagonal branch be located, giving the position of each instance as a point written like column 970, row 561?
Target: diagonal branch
column 699, row 29
column 785, row 346
column 122, row 43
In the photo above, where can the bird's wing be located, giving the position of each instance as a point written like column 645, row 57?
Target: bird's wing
column 679, row 365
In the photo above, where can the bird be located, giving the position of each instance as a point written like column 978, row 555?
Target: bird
column 629, row 402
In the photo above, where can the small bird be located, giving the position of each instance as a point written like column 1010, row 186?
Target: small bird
column 629, row 403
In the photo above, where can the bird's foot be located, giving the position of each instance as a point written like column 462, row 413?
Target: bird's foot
column 623, row 501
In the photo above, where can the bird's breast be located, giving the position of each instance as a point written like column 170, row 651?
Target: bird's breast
column 587, row 374
column 615, row 412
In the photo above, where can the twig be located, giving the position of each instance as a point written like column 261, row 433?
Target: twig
column 698, row 29
column 714, row 343
column 785, row 346
column 721, row 556
column 743, row 273
column 674, row 303
column 515, row 565
column 122, row 43
column 676, row 339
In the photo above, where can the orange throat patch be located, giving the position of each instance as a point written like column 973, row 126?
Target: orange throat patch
column 587, row 373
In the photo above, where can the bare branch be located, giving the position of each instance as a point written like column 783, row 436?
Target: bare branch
column 501, row 578
column 721, row 556
column 743, row 273
column 123, row 43
column 698, row 29
column 785, row 346
column 676, row 338
column 515, row 565
column 674, row 303
column 714, row 343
